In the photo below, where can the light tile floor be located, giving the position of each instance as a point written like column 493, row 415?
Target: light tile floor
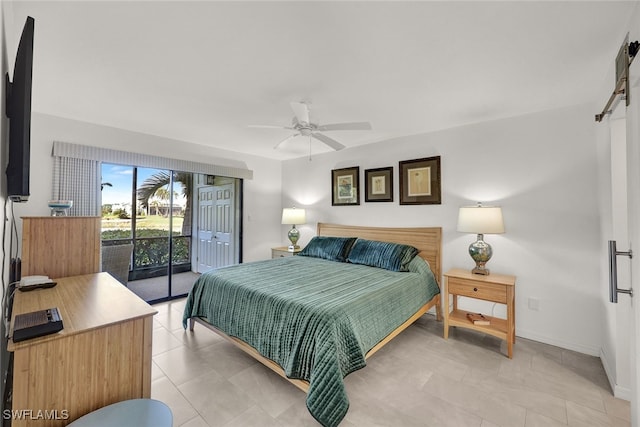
column 419, row 379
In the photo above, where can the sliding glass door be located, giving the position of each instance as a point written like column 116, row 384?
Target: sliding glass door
column 151, row 208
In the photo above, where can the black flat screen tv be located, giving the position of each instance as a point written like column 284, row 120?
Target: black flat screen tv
column 18, row 108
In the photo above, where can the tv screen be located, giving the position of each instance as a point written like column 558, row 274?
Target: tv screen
column 18, row 108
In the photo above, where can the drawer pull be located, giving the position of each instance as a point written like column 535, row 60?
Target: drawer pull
column 475, row 289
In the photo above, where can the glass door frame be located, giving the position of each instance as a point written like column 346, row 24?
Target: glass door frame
column 137, row 273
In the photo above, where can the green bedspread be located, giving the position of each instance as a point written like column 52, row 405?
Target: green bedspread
column 315, row 318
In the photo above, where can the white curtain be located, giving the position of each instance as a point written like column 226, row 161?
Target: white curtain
column 106, row 155
column 77, row 180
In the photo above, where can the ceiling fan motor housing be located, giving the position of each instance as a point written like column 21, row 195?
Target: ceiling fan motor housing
column 304, row 128
column 301, row 123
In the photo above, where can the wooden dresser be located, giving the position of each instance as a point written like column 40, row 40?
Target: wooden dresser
column 60, row 246
column 102, row 356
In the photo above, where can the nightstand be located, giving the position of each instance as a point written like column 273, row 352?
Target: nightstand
column 283, row 251
column 499, row 288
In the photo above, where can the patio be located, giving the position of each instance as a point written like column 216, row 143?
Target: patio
column 156, row 288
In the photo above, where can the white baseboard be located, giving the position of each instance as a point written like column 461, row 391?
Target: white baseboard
column 619, row 392
column 591, row 351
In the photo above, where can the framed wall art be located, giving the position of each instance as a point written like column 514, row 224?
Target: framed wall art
column 420, row 181
column 345, row 186
column 378, row 185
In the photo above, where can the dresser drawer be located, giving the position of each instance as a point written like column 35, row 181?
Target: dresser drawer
column 475, row 289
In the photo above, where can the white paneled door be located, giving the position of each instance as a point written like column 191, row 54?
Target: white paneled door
column 216, row 212
column 205, row 229
column 223, row 226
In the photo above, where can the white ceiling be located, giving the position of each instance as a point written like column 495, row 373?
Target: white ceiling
column 203, row 71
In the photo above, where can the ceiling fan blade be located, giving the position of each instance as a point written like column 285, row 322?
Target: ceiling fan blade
column 329, row 141
column 301, row 111
column 286, row 139
column 346, row 126
column 270, row 127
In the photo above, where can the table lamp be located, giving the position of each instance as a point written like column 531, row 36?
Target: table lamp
column 293, row 216
column 480, row 220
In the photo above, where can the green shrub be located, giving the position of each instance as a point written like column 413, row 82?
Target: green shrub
column 121, row 213
column 152, row 246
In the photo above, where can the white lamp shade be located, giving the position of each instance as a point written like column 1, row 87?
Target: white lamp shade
column 293, row 216
column 480, row 220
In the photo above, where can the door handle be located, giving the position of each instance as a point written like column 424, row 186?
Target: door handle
column 613, row 272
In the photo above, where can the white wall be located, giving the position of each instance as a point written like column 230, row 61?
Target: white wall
column 541, row 168
column 262, row 207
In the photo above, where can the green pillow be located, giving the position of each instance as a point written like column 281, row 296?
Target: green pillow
column 331, row 248
column 390, row 256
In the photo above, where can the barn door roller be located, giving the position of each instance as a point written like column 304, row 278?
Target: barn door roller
column 625, row 57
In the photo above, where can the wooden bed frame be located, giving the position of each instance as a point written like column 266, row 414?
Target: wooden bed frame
column 428, row 240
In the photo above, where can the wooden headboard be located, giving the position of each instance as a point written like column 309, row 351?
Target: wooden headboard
column 428, row 240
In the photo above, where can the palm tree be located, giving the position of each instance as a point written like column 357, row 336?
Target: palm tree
column 163, row 195
column 154, row 203
column 160, row 181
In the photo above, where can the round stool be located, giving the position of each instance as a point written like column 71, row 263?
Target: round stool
column 128, row 413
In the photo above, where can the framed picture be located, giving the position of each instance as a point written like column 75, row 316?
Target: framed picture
column 345, row 186
column 378, row 185
column 420, row 181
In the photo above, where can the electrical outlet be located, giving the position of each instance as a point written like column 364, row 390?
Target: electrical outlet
column 534, row 304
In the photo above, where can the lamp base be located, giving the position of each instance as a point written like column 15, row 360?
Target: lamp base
column 293, row 235
column 483, row 271
column 481, row 253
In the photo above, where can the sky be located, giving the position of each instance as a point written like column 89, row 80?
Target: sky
column 120, row 178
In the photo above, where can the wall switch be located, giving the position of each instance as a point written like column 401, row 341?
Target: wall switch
column 534, row 304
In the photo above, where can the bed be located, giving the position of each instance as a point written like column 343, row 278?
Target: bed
column 314, row 319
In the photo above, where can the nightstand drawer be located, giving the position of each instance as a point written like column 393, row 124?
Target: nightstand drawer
column 474, row 289
column 280, row 254
column 283, row 251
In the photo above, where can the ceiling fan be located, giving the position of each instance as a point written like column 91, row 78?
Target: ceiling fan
column 303, row 126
